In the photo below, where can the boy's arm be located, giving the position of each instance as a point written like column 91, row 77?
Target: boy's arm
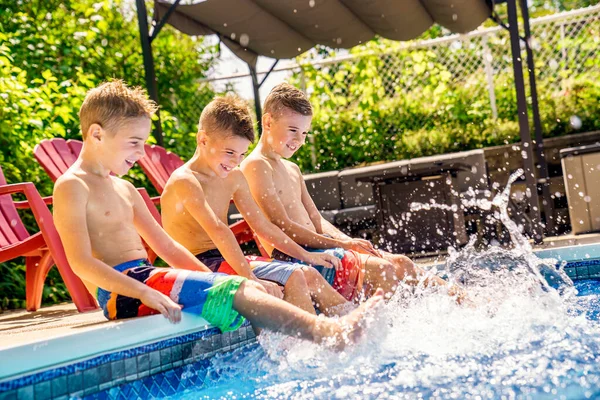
column 173, row 253
column 189, row 190
column 326, row 227
column 260, row 178
column 70, row 201
column 271, row 232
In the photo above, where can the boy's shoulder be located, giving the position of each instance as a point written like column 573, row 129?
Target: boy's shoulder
column 71, row 181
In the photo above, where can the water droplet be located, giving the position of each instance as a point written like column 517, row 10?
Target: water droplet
column 575, row 122
column 311, row 3
column 244, row 39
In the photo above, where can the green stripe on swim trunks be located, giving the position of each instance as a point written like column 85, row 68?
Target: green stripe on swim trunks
column 218, row 308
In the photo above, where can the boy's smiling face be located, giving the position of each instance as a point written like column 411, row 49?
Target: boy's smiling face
column 222, row 151
column 287, row 131
column 121, row 148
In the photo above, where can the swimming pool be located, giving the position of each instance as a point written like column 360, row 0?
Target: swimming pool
column 522, row 340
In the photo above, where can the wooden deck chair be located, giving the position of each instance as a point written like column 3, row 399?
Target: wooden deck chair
column 158, row 164
column 41, row 250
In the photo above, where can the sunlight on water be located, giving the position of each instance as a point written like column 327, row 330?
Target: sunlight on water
column 529, row 336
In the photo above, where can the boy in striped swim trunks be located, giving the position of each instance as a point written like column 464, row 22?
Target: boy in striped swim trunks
column 194, row 208
column 279, row 189
column 101, row 217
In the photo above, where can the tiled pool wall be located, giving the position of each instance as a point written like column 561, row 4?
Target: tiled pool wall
column 586, row 269
column 160, row 369
column 154, row 370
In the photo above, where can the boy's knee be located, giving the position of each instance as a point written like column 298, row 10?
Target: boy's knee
column 296, row 279
column 388, row 270
column 252, row 285
column 311, row 275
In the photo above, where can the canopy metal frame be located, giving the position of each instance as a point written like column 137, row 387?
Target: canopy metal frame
column 534, row 175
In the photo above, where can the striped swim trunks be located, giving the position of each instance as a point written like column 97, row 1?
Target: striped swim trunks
column 208, row 294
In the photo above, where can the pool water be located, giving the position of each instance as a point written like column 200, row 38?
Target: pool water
column 532, row 333
column 522, row 342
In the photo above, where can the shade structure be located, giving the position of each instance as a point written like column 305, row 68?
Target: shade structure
column 284, row 29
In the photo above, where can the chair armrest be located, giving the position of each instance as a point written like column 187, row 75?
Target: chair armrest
column 25, row 204
column 155, row 200
column 17, row 187
column 42, row 215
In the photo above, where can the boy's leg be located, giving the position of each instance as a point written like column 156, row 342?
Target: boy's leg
column 296, row 291
column 408, row 272
column 265, row 311
column 323, row 294
column 380, row 273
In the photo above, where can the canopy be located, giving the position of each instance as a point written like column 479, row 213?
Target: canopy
column 283, row 29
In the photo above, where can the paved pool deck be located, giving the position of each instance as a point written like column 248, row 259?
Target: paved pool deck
column 19, row 327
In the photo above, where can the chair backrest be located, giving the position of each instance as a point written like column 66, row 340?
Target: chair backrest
column 158, row 164
column 12, row 230
column 57, row 155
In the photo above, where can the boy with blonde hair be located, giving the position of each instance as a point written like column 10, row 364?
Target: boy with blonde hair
column 196, row 200
column 279, row 189
column 101, row 217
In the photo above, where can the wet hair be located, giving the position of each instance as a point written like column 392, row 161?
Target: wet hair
column 111, row 104
column 228, row 114
column 285, row 96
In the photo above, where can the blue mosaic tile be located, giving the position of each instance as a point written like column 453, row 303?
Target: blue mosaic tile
column 165, row 356
column 117, row 369
column 594, row 271
column 176, row 353
column 25, row 393
column 186, row 350
column 75, row 382
column 59, row 386
column 130, row 365
column 12, row 395
column 143, row 363
column 104, row 374
column 154, row 389
column 154, row 359
column 43, row 390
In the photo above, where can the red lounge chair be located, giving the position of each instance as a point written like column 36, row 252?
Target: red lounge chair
column 41, row 250
column 158, row 164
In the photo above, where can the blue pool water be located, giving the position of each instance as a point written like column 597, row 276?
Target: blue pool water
column 521, row 343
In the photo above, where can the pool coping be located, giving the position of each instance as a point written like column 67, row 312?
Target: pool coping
column 110, row 337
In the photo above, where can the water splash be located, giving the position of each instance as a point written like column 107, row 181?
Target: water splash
column 528, row 337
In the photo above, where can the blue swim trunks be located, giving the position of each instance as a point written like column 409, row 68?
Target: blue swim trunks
column 263, row 268
column 207, row 294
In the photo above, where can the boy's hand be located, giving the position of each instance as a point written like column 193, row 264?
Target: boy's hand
column 163, row 304
column 272, row 288
column 324, row 259
column 362, row 246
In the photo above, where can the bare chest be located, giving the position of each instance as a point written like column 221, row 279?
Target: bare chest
column 218, row 196
column 287, row 184
column 109, row 209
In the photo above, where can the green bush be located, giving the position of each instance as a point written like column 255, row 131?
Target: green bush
column 51, row 53
column 363, row 114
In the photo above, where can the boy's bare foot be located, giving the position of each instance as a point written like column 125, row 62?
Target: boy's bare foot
column 348, row 329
